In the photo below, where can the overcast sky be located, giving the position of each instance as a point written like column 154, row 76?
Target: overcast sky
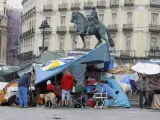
column 15, row 3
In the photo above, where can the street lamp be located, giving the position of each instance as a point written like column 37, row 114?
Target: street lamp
column 43, row 27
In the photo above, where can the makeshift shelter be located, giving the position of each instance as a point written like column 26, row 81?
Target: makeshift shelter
column 9, row 72
column 47, row 56
column 96, row 56
column 121, row 100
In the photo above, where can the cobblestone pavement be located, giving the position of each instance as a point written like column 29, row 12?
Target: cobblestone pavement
column 9, row 113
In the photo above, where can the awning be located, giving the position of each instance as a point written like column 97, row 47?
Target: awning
column 96, row 56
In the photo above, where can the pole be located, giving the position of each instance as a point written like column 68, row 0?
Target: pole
column 43, row 40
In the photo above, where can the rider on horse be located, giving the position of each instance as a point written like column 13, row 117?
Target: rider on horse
column 93, row 18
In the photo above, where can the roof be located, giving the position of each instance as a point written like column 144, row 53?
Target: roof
column 96, row 56
column 48, row 56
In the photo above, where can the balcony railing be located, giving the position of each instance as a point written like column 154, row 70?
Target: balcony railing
column 127, row 53
column 61, row 29
column 154, row 54
column 72, row 29
column 63, row 7
column 113, row 28
column 127, row 27
column 27, row 33
column 76, row 6
column 88, row 5
column 155, row 3
column 101, row 4
column 154, row 28
column 48, row 8
column 129, row 3
column 114, row 3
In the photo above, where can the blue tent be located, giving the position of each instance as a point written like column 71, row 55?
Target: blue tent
column 121, row 100
column 96, row 56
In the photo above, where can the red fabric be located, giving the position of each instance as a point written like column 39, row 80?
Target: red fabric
column 67, row 82
column 51, row 87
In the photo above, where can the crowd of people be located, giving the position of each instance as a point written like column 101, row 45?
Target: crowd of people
column 63, row 94
column 148, row 85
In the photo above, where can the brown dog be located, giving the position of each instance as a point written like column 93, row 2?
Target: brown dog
column 50, row 97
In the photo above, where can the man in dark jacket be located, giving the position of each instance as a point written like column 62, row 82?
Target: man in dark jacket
column 23, row 86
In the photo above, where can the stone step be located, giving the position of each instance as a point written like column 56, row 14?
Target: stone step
column 134, row 102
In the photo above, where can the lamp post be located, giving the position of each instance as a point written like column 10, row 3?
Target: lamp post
column 43, row 27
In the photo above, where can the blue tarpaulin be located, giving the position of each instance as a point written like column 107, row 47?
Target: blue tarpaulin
column 96, row 56
column 121, row 100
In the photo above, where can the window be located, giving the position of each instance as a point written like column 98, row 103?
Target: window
column 48, row 20
column 153, row 43
column 0, row 21
column 128, row 43
column 63, row 19
column 154, row 18
column 114, row 40
column 129, row 18
column 114, row 18
column 61, row 45
column 101, row 18
column 88, row 44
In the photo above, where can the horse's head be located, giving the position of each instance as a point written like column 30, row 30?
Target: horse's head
column 77, row 16
column 73, row 18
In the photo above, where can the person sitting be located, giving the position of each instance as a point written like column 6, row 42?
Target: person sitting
column 103, row 87
column 51, row 88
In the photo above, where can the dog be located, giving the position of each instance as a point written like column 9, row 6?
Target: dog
column 50, row 97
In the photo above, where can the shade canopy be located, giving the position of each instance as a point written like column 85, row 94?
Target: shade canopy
column 147, row 68
column 96, row 56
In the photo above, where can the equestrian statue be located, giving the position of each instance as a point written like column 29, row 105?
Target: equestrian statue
column 91, row 26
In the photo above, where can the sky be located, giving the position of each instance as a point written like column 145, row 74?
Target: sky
column 15, row 3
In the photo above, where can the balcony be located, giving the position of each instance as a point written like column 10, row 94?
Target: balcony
column 75, row 6
column 88, row 5
column 127, row 27
column 154, row 28
column 61, row 29
column 73, row 29
column 127, row 53
column 152, row 54
column 27, row 33
column 63, row 7
column 48, row 8
column 114, row 4
column 113, row 28
column 155, row 3
column 129, row 3
column 101, row 4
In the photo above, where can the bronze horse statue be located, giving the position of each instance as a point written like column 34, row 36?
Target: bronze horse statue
column 99, row 30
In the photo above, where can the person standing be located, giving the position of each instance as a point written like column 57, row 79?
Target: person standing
column 67, row 84
column 23, row 86
column 144, row 88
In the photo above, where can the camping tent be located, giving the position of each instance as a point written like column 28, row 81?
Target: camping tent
column 96, row 56
column 121, row 100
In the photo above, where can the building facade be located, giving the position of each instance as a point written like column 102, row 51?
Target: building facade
column 133, row 24
column 3, row 31
column 14, row 32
